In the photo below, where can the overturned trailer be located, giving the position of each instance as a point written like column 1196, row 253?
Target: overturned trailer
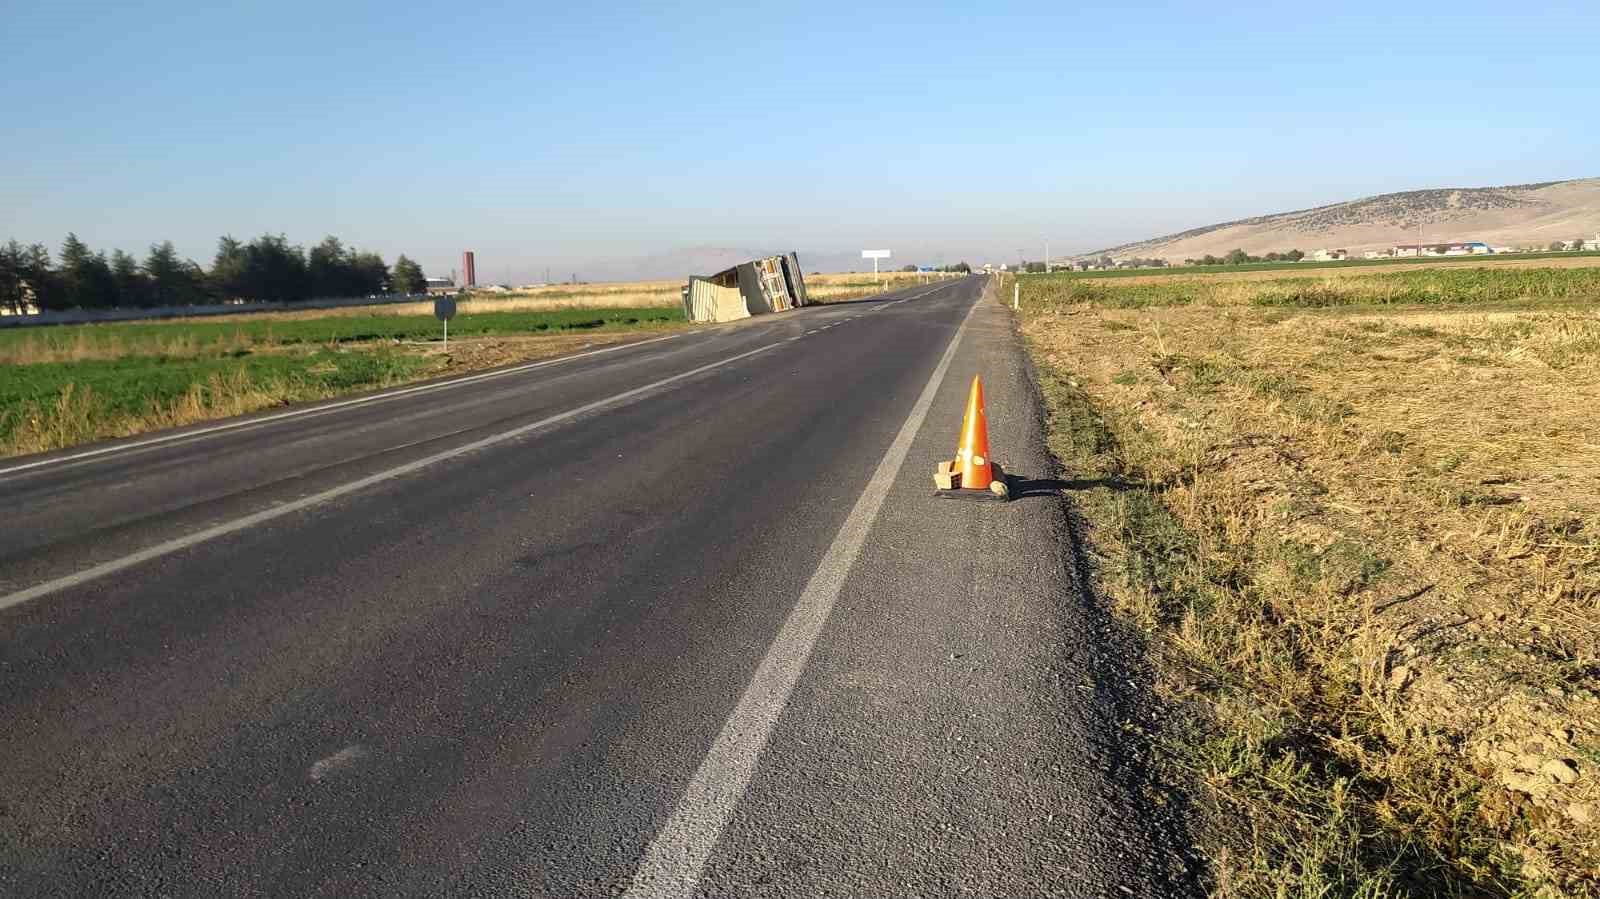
column 768, row 284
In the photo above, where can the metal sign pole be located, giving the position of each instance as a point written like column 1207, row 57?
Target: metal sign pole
column 444, row 309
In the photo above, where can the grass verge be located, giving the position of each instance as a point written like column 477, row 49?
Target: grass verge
column 1365, row 542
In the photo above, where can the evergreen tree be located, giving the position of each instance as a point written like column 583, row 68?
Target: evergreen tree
column 275, row 270
column 40, row 278
column 133, row 288
column 86, row 279
column 369, row 273
column 173, row 281
column 13, row 295
column 407, row 277
column 329, row 271
column 228, row 269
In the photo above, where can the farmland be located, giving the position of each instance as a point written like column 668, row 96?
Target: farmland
column 1579, row 258
column 1357, row 517
column 71, row 384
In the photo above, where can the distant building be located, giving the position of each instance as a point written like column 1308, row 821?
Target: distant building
column 442, row 286
column 1458, row 248
column 1330, row 255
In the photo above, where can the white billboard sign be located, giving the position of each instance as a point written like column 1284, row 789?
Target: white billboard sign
column 874, row 254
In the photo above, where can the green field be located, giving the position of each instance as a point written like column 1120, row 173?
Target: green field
column 156, row 338
column 1308, row 264
column 1421, row 287
column 65, row 385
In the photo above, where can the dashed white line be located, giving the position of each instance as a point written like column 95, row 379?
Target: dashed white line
column 249, row 521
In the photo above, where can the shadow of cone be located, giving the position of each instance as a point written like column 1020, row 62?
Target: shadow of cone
column 972, row 474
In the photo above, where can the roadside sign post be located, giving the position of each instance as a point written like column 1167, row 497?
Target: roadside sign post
column 444, row 309
column 875, row 255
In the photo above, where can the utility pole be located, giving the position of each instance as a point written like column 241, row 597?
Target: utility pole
column 1047, row 255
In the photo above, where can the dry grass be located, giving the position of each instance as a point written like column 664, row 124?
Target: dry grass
column 1367, row 546
column 79, row 415
column 85, row 344
column 839, row 287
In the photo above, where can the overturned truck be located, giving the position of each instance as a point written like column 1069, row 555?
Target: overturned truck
column 768, row 284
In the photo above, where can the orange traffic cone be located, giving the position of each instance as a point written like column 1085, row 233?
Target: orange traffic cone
column 972, row 473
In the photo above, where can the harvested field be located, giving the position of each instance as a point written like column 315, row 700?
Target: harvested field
column 1360, row 524
column 839, row 287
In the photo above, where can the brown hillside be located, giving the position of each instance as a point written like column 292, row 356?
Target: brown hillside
column 1516, row 215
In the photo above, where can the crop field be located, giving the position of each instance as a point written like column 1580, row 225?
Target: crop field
column 60, row 386
column 222, row 336
column 1575, row 257
column 67, row 385
column 1358, row 518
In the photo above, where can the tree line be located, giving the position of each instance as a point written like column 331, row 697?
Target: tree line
column 267, row 268
column 959, row 268
column 1240, row 257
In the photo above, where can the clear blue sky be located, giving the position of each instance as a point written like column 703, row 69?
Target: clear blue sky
column 554, row 136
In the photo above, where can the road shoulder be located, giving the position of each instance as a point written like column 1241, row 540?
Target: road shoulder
column 970, row 720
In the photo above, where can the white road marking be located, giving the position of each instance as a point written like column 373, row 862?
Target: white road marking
column 319, row 410
column 344, row 758
column 675, row 858
column 248, row 521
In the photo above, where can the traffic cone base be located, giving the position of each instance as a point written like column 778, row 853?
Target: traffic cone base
column 972, row 474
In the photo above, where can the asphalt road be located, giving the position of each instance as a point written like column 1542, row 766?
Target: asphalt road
column 675, row 619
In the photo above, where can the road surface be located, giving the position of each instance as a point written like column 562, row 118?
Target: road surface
column 674, row 619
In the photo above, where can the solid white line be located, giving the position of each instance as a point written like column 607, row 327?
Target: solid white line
column 672, row 864
column 248, row 521
column 321, row 410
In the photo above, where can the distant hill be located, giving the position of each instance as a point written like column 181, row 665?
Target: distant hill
column 1515, row 215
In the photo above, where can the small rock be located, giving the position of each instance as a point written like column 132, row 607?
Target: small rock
column 1562, row 770
column 1581, row 812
